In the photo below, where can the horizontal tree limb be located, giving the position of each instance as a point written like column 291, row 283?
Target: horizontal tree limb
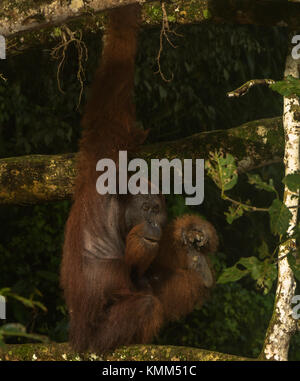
column 244, row 89
column 61, row 352
column 23, row 16
column 17, row 17
column 39, row 178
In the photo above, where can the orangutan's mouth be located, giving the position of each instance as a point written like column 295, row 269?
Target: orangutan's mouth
column 151, row 241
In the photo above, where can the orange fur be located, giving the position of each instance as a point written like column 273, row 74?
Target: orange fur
column 138, row 254
column 178, row 286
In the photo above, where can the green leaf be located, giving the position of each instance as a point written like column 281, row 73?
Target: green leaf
column 231, row 274
column 260, row 184
column 290, row 86
column 171, row 18
column 13, row 327
column 56, row 32
column 234, row 212
column 267, row 276
column 292, row 182
column 280, row 217
column 222, row 170
column 206, row 14
column 27, row 302
column 263, row 250
column 16, row 329
column 264, row 273
column 4, row 291
column 253, row 265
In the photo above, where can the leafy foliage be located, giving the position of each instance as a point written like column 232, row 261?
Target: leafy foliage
column 280, row 217
column 263, row 272
column 292, row 181
column 209, row 60
column 290, row 86
column 233, row 321
column 35, row 237
column 234, row 212
column 17, row 329
column 222, row 170
column 27, row 302
column 256, row 180
column 263, row 269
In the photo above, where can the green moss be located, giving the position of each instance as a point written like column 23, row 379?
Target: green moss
column 23, row 6
column 56, row 352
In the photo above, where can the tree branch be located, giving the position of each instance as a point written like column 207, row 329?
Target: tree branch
column 243, row 90
column 38, row 178
column 60, row 352
column 21, row 16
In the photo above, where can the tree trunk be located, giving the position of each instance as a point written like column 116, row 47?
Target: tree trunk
column 282, row 325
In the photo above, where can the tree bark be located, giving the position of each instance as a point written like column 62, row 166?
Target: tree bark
column 38, row 178
column 63, row 352
column 282, row 325
column 23, row 16
column 16, row 17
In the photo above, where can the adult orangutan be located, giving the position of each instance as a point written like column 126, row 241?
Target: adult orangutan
column 124, row 272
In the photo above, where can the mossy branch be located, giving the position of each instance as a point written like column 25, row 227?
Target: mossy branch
column 63, row 352
column 20, row 16
column 38, row 178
